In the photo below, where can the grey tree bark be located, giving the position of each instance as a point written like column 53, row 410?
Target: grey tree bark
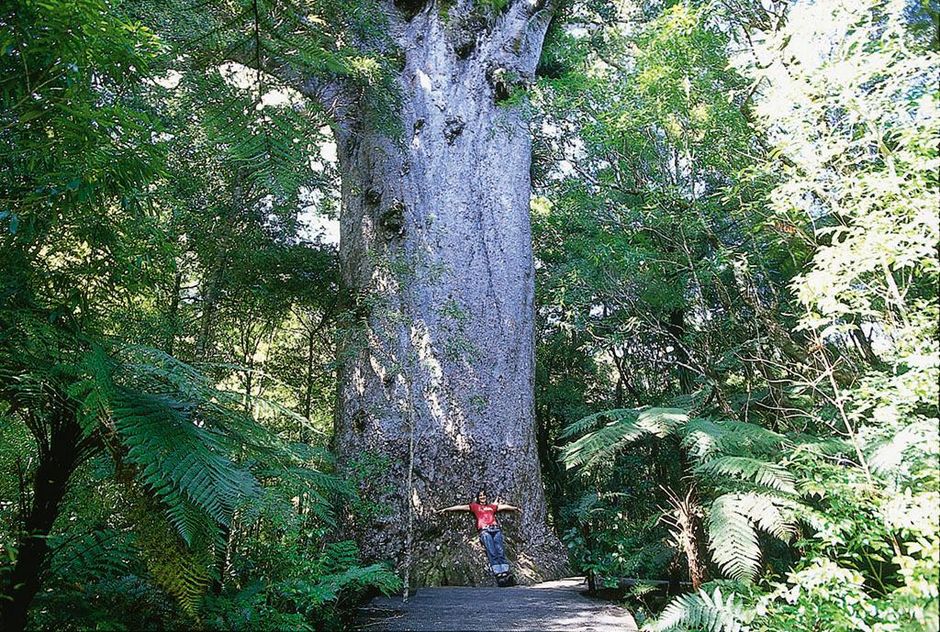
column 437, row 373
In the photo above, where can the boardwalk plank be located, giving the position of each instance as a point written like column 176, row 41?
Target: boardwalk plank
column 548, row 607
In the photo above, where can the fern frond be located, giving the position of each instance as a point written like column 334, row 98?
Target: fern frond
column 179, row 461
column 185, row 571
column 705, row 438
column 311, row 478
column 602, row 443
column 192, row 523
column 812, row 445
column 764, row 511
column 312, row 595
column 140, row 365
column 338, row 556
column 625, row 427
column 763, row 473
column 591, row 422
column 154, row 371
column 733, row 522
column 100, row 553
column 732, row 539
column 701, row 611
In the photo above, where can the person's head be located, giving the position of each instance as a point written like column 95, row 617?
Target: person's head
column 481, row 496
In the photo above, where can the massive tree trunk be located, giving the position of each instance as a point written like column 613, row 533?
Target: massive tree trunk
column 437, row 373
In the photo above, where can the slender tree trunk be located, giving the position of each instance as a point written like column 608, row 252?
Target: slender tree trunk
column 173, row 319
column 210, row 297
column 435, row 243
column 308, row 385
column 57, row 461
column 676, row 328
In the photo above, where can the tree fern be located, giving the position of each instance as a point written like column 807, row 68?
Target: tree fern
column 701, row 612
column 218, row 410
column 724, row 449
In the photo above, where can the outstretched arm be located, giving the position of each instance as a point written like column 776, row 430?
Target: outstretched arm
column 501, row 507
column 453, row 508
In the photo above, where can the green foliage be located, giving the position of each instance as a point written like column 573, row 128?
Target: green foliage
column 304, row 595
column 73, row 131
column 705, row 438
column 180, row 462
column 736, row 243
column 184, row 571
column 702, row 611
column 717, row 449
column 338, row 571
column 811, row 437
column 734, row 520
column 624, row 428
column 746, row 468
column 160, row 297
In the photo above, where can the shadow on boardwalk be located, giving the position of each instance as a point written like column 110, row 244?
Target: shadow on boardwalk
column 551, row 606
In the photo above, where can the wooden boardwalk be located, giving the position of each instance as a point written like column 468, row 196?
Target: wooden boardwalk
column 547, row 607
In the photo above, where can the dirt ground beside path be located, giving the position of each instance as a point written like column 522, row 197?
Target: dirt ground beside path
column 547, row 607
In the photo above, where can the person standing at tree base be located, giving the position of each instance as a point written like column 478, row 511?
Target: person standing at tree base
column 491, row 536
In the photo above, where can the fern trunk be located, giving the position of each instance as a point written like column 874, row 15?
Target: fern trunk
column 691, row 529
column 436, row 248
column 57, row 461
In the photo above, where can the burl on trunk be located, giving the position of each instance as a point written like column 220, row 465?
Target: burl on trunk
column 436, row 396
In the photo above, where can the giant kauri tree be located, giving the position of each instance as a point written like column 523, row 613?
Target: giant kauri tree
column 437, row 363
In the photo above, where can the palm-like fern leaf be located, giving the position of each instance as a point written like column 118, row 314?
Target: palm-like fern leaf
column 592, row 421
column 765, row 512
column 733, row 539
column 704, row 438
column 180, row 461
column 625, row 427
column 701, row 611
column 602, row 443
column 184, row 573
column 327, row 483
column 182, row 433
column 192, row 523
column 734, row 520
column 763, row 473
column 218, row 410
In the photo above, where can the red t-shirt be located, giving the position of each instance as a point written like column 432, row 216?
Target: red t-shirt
column 486, row 514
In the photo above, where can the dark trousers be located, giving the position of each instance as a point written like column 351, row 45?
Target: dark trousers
column 492, row 539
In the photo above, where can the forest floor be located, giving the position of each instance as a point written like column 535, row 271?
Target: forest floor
column 551, row 606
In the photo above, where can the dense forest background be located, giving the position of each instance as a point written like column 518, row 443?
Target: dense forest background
column 735, row 230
